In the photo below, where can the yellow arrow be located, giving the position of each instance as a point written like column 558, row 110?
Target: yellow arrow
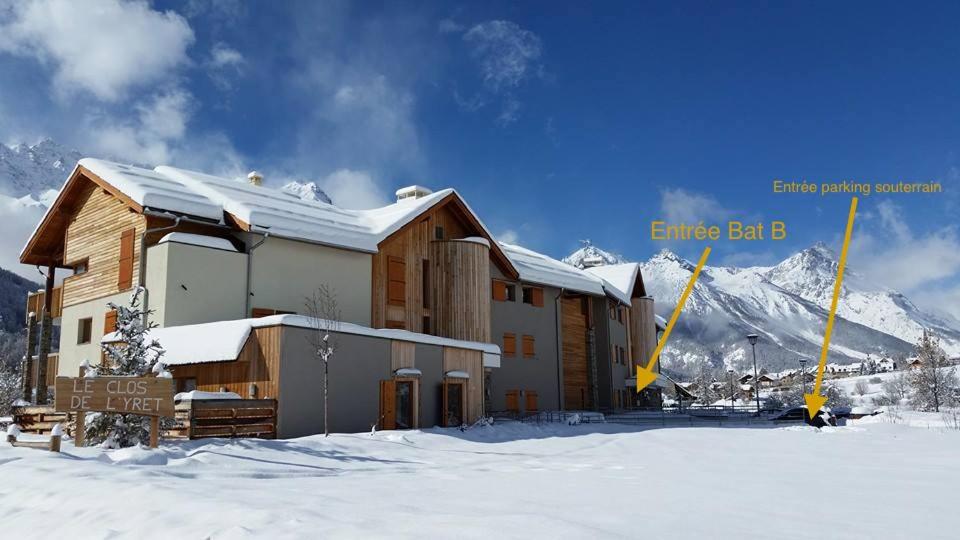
column 814, row 400
column 646, row 376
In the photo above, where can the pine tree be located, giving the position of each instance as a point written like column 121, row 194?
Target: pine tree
column 131, row 354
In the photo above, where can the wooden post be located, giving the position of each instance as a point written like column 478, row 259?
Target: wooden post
column 80, row 433
column 56, row 436
column 26, row 380
column 154, row 431
column 46, row 333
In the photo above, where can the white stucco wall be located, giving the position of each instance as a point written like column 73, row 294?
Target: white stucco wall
column 189, row 284
column 72, row 354
column 285, row 272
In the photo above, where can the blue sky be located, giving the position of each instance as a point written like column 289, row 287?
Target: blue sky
column 557, row 121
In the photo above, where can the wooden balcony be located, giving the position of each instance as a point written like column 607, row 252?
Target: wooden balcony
column 36, row 300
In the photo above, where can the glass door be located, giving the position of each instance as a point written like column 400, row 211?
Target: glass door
column 453, row 405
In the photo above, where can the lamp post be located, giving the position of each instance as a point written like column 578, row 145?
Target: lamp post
column 803, row 376
column 752, row 338
column 732, row 393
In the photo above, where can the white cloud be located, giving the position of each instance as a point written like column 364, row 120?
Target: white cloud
column 354, row 189
column 148, row 137
column 224, row 56
column 450, row 26
column 681, row 206
column 19, row 222
column 105, row 48
column 507, row 54
column 509, row 236
column 926, row 266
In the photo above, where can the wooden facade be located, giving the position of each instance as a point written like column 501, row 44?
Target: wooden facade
column 406, row 271
column 101, row 233
column 258, row 364
column 575, row 325
column 471, row 362
column 461, row 290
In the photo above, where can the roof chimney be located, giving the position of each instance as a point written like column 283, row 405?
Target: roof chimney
column 412, row 192
column 255, row 178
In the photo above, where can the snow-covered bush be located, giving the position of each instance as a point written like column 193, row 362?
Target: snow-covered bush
column 132, row 354
column 894, row 390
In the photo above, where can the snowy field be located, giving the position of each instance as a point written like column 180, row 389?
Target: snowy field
column 871, row 479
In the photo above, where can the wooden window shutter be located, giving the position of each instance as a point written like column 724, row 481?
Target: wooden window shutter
column 499, row 291
column 388, row 404
column 529, row 350
column 396, row 281
column 538, row 297
column 110, row 322
column 513, row 400
column 256, row 312
column 125, row 279
column 531, row 405
column 509, row 344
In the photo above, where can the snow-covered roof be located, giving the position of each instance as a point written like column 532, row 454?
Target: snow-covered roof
column 620, row 277
column 263, row 209
column 198, row 240
column 538, row 268
column 222, row 341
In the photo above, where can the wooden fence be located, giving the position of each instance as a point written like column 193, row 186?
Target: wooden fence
column 252, row 418
column 40, row 419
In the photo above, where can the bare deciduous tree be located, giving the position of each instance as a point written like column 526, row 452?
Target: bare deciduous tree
column 861, row 388
column 324, row 315
column 935, row 381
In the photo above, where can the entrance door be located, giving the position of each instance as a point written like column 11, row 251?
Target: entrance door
column 388, row 404
column 404, row 408
column 453, row 403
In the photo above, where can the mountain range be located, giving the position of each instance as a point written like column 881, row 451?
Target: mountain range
column 787, row 305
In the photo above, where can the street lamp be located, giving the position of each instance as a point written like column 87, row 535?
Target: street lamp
column 752, row 338
column 732, row 393
column 803, row 376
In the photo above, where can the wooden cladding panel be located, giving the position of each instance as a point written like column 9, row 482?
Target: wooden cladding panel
column 258, row 363
column 643, row 330
column 36, row 301
column 402, row 354
column 499, row 291
column 576, row 389
column 472, row 362
column 529, row 347
column 411, row 245
column 109, row 322
column 95, row 234
column 461, row 288
column 509, row 344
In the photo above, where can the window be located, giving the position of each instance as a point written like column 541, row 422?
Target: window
column 425, row 282
column 529, row 347
column 511, row 293
column 125, row 277
column 425, row 325
column 509, row 344
column 438, row 232
column 80, row 268
column 84, row 331
column 620, row 315
column 533, row 296
column 396, row 281
column 613, row 311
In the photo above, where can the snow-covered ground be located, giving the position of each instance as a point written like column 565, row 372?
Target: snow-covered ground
column 875, row 479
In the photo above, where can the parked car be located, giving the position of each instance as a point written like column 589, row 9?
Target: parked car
column 799, row 414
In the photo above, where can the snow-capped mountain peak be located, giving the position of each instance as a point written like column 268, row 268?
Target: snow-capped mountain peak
column 590, row 255
column 308, row 191
column 34, row 169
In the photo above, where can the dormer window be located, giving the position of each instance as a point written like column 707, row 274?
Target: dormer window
column 80, row 268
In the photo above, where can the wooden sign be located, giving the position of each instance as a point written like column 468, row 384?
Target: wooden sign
column 147, row 396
